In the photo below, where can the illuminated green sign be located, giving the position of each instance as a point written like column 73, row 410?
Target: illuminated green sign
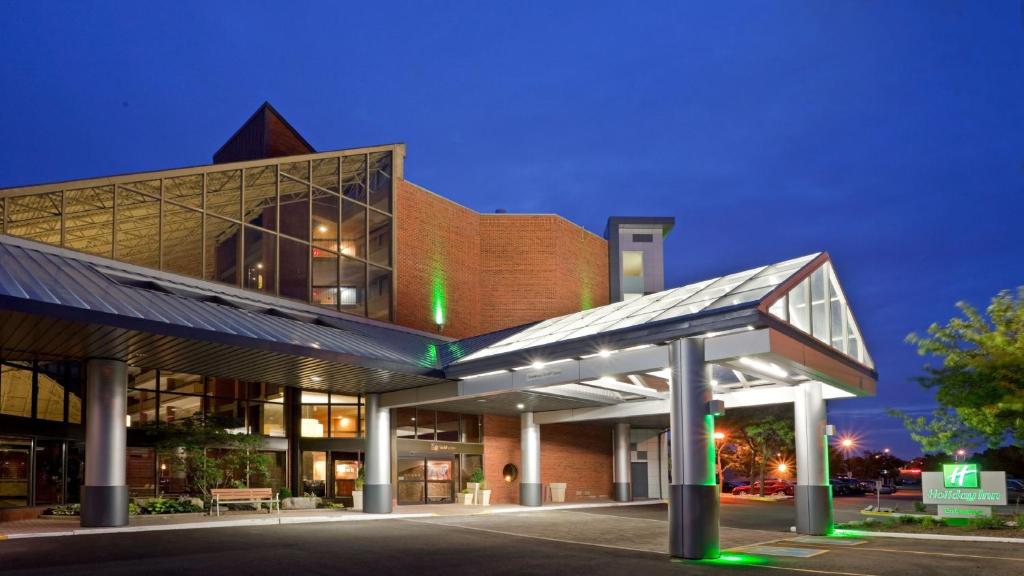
column 960, row 475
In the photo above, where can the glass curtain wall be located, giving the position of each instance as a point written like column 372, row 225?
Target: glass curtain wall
column 331, row 415
column 426, row 424
column 318, row 230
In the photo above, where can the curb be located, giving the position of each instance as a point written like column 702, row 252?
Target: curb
column 279, row 521
column 946, row 537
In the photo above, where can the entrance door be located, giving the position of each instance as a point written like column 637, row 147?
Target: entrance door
column 638, row 479
column 425, row 480
column 15, row 462
column 346, row 470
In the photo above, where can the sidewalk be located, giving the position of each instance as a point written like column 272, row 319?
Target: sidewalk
column 47, row 527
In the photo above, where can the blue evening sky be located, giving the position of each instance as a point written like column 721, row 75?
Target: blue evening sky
column 890, row 134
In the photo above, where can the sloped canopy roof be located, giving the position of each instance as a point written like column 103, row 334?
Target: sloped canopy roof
column 721, row 303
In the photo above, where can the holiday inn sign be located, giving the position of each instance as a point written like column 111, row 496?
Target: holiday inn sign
column 965, row 485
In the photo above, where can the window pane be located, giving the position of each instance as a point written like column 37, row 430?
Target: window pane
column 89, row 220
column 74, row 408
column 470, row 428
column 343, row 399
column 353, row 229
column 405, row 422
column 183, row 240
column 380, row 181
column 16, row 391
column 3, row 215
column 325, row 278
column 260, row 259
column 425, row 424
column 296, row 170
column 325, row 174
column 144, row 379
column 819, row 309
column 224, row 193
column 314, row 421
column 314, row 473
column 378, row 298
column 380, row 238
column 273, row 420
column 229, row 412
column 35, row 217
column 799, row 311
column 225, row 388
column 49, row 399
column 294, row 270
column 138, row 228
column 260, row 205
column 325, row 220
column 181, row 383
column 309, row 397
column 353, row 182
column 175, row 408
column 186, row 190
column 448, row 426
column 222, row 245
column 140, row 471
column 353, row 282
column 343, row 421
column 294, row 208
column 49, row 471
column 141, row 407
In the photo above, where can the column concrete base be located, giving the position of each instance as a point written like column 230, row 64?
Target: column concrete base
column 531, row 494
column 675, row 520
column 813, row 509
column 621, row 491
column 104, row 506
column 700, row 522
column 377, row 498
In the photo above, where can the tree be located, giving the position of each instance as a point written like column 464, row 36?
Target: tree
column 769, row 435
column 980, row 383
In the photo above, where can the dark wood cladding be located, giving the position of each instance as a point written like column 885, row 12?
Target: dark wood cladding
column 266, row 134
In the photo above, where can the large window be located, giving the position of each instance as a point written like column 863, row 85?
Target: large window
column 165, row 397
column 318, row 230
column 331, row 415
column 43, row 390
column 426, row 424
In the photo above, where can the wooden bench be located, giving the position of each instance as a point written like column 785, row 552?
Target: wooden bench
column 245, row 496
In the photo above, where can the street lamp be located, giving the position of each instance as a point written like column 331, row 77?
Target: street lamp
column 960, row 454
column 848, row 444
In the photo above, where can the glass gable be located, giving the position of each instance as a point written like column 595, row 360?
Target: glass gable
column 304, row 227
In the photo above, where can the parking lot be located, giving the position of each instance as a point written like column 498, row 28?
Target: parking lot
column 595, row 541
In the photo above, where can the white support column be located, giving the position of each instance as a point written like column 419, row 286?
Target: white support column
column 531, row 491
column 377, row 490
column 813, row 494
column 105, row 495
column 621, row 488
column 693, row 493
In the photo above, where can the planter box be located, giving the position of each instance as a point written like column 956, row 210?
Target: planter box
column 558, row 491
column 299, row 503
column 485, row 498
column 357, row 499
column 465, row 499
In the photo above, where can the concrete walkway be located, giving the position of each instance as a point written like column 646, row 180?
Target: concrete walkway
column 46, row 527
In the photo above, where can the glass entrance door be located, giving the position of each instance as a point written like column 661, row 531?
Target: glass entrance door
column 15, row 462
column 425, row 480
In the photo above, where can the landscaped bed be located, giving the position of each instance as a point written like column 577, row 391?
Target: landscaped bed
column 151, row 506
column 1000, row 526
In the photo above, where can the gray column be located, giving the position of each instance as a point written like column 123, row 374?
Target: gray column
column 531, row 491
column 813, row 494
column 620, row 463
column 377, row 490
column 105, row 494
column 693, row 493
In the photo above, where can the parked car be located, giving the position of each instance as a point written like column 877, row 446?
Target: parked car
column 1014, row 490
column 771, row 487
column 845, row 487
column 868, row 487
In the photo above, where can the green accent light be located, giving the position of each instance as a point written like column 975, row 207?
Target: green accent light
column 730, row 559
column 960, row 475
column 429, row 359
column 438, row 300
column 709, row 431
column 831, row 529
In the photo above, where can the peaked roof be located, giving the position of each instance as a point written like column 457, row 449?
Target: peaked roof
column 653, row 315
column 266, row 134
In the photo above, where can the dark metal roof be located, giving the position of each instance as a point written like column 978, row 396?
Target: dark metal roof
column 58, row 303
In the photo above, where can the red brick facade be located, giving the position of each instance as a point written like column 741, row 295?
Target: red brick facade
column 496, row 270
column 578, row 454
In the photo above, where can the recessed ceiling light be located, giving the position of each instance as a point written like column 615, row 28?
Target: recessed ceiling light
column 520, row 406
column 316, row 378
column 604, row 353
column 537, row 365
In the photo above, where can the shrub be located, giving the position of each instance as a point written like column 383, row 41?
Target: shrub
column 168, row 506
column 927, row 522
column 283, row 493
column 983, row 523
column 64, row 510
column 920, row 508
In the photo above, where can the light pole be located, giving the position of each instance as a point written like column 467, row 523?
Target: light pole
column 960, row 455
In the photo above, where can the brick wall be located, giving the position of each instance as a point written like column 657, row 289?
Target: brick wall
column 578, row 454
column 497, row 270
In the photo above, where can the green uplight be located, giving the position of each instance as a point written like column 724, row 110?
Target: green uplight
column 438, row 304
column 429, row 359
column 733, row 559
